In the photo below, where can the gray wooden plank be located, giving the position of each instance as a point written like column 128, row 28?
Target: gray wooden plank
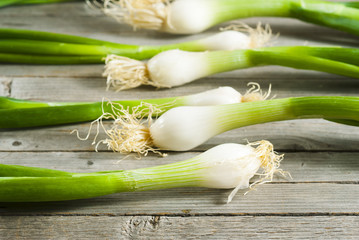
column 94, row 89
column 95, row 71
column 303, row 166
column 283, row 199
column 154, row 227
column 69, row 25
column 51, row 10
column 295, row 135
column 324, row 183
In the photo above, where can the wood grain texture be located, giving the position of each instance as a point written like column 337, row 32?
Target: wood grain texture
column 320, row 202
column 269, row 199
column 94, row 88
column 138, row 227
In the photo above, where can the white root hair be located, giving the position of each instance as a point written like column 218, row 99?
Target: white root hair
column 255, row 93
column 129, row 132
column 98, row 122
column 270, row 163
column 125, row 73
column 260, row 36
column 148, row 14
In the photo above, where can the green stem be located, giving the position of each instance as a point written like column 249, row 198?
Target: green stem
column 341, row 54
column 19, row 114
column 225, row 10
column 296, row 58
column 34, row 47
column 329, row 14
column 12, row 103
column 36, row 185
column 336, row 60
column 49, row 60
column 21, row 171
column 39, row 47
column 234, row 115
column 346, row 122
column 9, row 2
column 38, row 189
column 185, row 173
column 341, row 16
column 9, row 33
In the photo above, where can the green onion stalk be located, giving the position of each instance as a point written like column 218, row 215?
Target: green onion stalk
column 183, row 128
column 36, row 47
column 5, row 3
column 17, row 113
column 176, row 67
column 225, row 166
column 193, row 16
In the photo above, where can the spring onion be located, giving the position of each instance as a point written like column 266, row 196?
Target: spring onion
column 184, row 128
column 175, row 67
column 225, row 166
column 16, row 113
column 193, row 16
column 35, row 47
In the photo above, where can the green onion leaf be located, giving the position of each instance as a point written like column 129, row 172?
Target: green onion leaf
column 225, row 166
column 193, row 16
column 183, row 128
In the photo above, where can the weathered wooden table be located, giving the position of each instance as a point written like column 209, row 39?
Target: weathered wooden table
column 321, row 201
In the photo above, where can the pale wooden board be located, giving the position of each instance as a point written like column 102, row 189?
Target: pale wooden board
column 270, row 199
column 95, row 71
column 146, row 227
column 94, row 89
column 324, row 183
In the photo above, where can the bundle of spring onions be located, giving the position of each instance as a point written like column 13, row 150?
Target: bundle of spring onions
column 16, row 113
column 4, row 3
column 225, row 166
column 184, row 128
column 35, row 47
column 193, row 16
column 176, row 67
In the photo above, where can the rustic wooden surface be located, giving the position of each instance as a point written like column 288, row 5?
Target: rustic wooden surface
column 321, row 201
